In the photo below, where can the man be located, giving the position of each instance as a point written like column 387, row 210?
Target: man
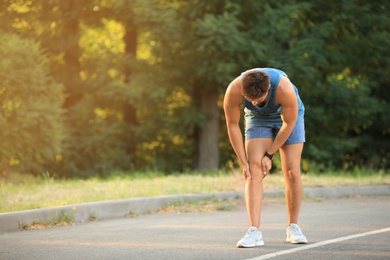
column 274, row 117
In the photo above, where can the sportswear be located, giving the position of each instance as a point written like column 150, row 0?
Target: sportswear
column 252, row 238
column 295, row 235
column 269, row 114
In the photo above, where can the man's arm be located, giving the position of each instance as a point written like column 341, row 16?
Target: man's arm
column 232, row 107
column 286, row 97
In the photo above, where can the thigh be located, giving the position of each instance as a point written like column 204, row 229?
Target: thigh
column 255, row 150
column 290, row 156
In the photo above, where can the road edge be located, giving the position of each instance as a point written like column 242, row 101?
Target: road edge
column 11, row 221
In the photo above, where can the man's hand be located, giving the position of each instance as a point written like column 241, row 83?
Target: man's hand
column 266, row 165
column 247, row 173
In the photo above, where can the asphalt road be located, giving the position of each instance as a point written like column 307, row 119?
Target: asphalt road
column 338, row 228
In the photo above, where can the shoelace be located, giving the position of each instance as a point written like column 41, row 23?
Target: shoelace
column 295, row 230
column 249, row 232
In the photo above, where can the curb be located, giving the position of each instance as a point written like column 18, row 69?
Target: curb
column 9, row 222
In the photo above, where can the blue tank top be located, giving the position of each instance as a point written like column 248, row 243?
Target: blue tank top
column 269, row 114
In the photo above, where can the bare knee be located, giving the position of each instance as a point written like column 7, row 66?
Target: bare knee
column 292, row 175
column 255, row 169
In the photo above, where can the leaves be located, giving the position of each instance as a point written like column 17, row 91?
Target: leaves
column 141, row 108
column 30, row 106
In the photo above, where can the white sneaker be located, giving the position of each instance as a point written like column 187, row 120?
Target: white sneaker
column 294, row 235
column 252, row 238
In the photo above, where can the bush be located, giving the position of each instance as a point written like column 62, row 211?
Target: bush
column 30, row 107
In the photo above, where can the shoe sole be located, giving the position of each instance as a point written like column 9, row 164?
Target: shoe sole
column 259, row 243
column 296, row 242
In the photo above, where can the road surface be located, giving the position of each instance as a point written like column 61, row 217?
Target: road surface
column 338, row 228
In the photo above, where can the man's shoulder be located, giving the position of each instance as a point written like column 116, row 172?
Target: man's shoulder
column 235, row 85
column 233, row 93
column 285, row 91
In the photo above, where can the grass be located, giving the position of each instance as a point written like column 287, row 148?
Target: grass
column 19, row 192
column 206, row 205
column 62, row 219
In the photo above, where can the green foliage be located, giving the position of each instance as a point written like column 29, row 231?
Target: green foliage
column 30, row 107
column 344, row 85
column 143, row 106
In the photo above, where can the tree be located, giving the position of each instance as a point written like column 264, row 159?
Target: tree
column 200, row 57
column 144, row 79
column 339, row 56
column 30, row 108
column 91, row 143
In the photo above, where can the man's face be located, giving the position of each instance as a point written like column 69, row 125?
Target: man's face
column 260, row 100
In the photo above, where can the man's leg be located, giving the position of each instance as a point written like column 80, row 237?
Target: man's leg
column 291, row 165
column 255, row 149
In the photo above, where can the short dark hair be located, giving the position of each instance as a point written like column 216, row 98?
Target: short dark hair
column 255, row 84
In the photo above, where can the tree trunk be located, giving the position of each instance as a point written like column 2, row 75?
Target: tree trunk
column 129, row 111
column 208, row 151
column 71, row 36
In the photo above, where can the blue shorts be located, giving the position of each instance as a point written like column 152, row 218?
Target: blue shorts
column 270, row 131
